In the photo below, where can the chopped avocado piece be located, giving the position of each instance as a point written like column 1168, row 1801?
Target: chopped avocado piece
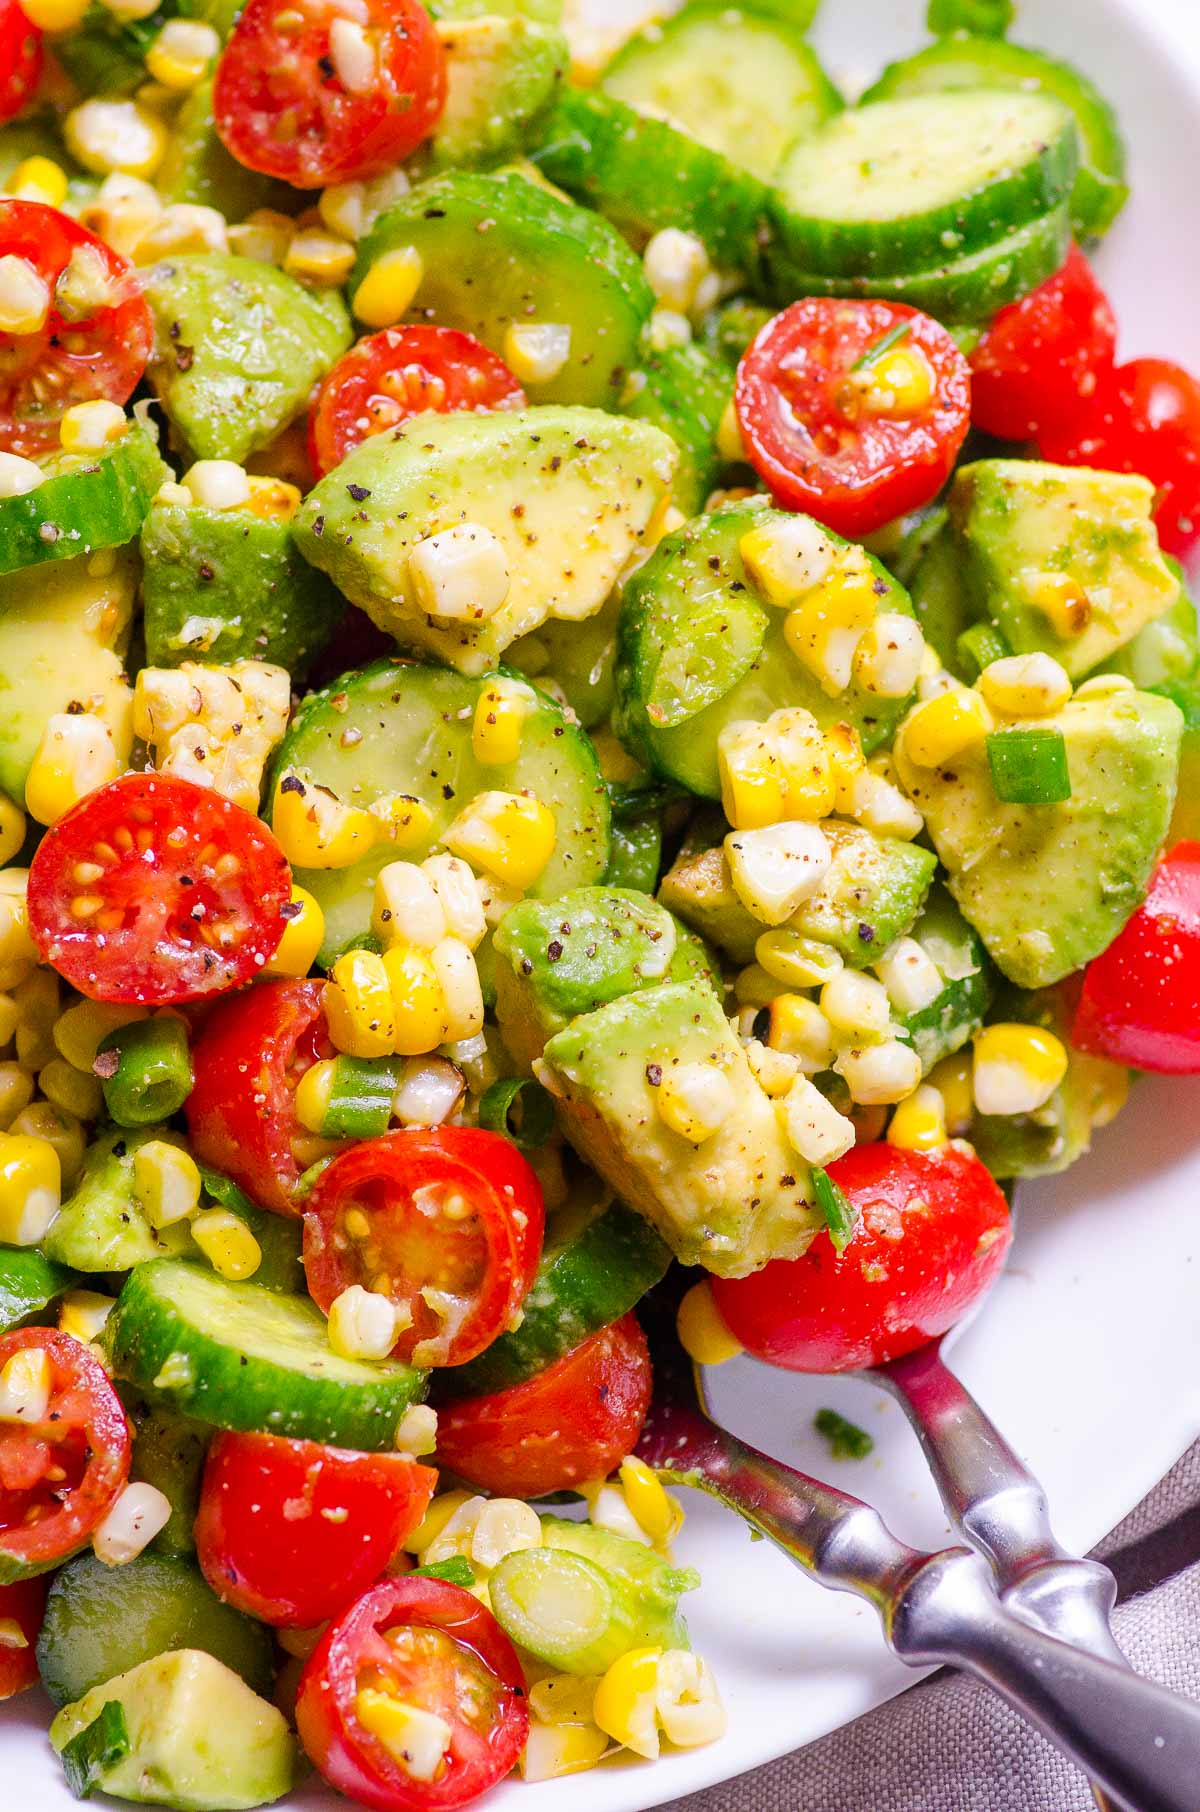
column 560, row 958
column 227, row 585
column 1167, row 650
column 101, row 1226
column 568, row 492
column 64, row 628
column 869, row 898
column 168, row 1453
column 1048, row 887
column 238, row 348
column 200, row 1740
column 943, row 1026
column 198, row 169
column 940, row 600
column 1062, row 559
column 731, row 1204
column 576, row 659
column 502, row 73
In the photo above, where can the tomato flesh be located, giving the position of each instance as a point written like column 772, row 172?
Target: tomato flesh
column 576, row 1420
column 432, row 1645
column 1140, row 1003
column 399, row 373
column 1041, row 360
column 153, row 890
column 933, row 1232
column 448, row 1223
column 822, row 444
column 282, row 103
column 21, row 58
column 23, row 1603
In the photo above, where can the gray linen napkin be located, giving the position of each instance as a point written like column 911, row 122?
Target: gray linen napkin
column 948, row 1746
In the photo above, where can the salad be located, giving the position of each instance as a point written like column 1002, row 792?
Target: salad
column 598, row 697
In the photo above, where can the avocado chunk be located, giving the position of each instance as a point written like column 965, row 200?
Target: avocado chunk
column 1062, row 559
column 731, row 1204
column 502, row 73
column 238, row 348
column 578, row 658
column 568, row 493
column 198, row 169
column 869, row 898
column 101, row 1226
column 64, row 628
column 1166, row 651
column 560, row 958
column 200, row 1740
column 1048, row 887
column 226, row 585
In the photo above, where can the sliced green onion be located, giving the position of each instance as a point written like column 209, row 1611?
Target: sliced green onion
column 1029, row 767
column 847, row 1441
column 891, row 338
column 979, row 646
column 360, row 1101
column 455, row 1571
column 100, row 1746
column 840, row 1217
column 986, row 18
column 146, row 1070
column 563, row 1609
column 520, row 1108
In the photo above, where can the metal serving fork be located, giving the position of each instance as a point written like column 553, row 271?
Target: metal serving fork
column 988, row 1608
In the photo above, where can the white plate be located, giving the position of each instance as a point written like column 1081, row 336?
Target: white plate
column 1089, row 1353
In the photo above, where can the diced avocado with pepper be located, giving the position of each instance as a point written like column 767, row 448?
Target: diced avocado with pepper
column 1167, row 650
column 731, row 1204
column 560, row 958
column 198, row 169
column 238, row 348
column 502, row 73
column 1061, row 558
column 1048, row 887
column 579, row 659
column 568, row 493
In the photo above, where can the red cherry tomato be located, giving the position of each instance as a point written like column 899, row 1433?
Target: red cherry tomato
column 60, row 1475
column 307, row 94
column 20, row 58
column 826, row 443
column 73, row 356
column 576, row 1420
column 1041, row 359
column 291, row 1531
column 250, row 1055
column 432, row 1645
column 1141, row 999
column 188, row 902
column 399, row 373
column 1144, row 417
column 932, row 1233
column 455, row 1211
column 24, row 1604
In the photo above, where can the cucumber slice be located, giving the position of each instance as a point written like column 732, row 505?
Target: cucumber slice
column 238, row 1356
column 498, row 250
column 86, row 501
column 415, row 723
column 956, row 1014
column 597, row 1264
column 741, row 83
column 697, row 651
column 903, row 185
column 966, row 61
column 29, row 1284
column 685, row 392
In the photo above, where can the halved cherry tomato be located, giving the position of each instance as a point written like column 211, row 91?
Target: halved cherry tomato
column 76, row 354
column 1144, row 417
column 291, row 1531
column 59, row 1476
column 428, row 1644
column 818, row 425
column 22, row 1603
column 1141, row 999
column 20, row 58
column 183, row 893
column 576, row 1420
column 402, row 372
column 307, row 93
column 933, row 1232
column 247, row 1060
column 1041, row 359
column 448, row 1223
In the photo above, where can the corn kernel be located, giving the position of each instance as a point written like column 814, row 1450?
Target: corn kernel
column 702, row 1332
column 61, row 1131
column 402, row 819
column 824, row 631
column 608, row 1509
column 774, row 870
column 227, row 1243
column 359, row 1005
column 461, row 574
column 728, row 439
column 30, row 1188
column 313, row 1093
column 813, row 1126
column 910, row 975
column 1025, row 685
column 658, row 1514
column 946, row 727
column 797, row 961
column 843, row 746
column 878, row 1075
column 81, row 1030
column 500, row 714
column 76, row 1091
column 166, row 1183
column 774, row 1071
column 753, row 783
column 39, row 178
column 115, row 135
column 919, row 1122
column 887, row 660
column 218, row 484
column 952, row 1080
column 55, row 16
column 458, row 896
column 552, row 1751
column 26, row 1383
column 505, row 1525
column 387, row 291
column 799, row 1028
column 536, row 352
column 695, row 1100
column 180, row 55
column 667, row 329
column 458, row 977
column 881, row 807
column 687, row 1701
column 857, row 1005
column 416, row 1431
column 303, row 935
column 83, row 1313
column 264, row 236
column 12, row 829
column 1061, row 599
column 421, row 1019
column 16, row 945
column 362, row 1323
column 319, row 259
column 19, row 476
column 1017, row 1068
column 16, row 1091
column 787, row 559
column 1104, row 685
column 24, row 296
column 417, row 1740
column 139, row 1514
column 353, row 55
column 509, row 835
column 675, row 263
column 441, row 1512
column 895, row 386
column 75, row 756
column 181, row 228
column 407, row 909
column 314, row 828
column 626, row 1702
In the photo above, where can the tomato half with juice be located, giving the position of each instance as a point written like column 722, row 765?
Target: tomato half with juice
column 853, row 411
column 932, row 1234
column 22, row 1607
column 1140, row 1003
column 1041, row 360
column 576, row 1420
column 448, row 1223
column 399, row 373
column 314, row 93
column 20, row 58
column 154, row 891
column 61, row 1469
column 94, row 339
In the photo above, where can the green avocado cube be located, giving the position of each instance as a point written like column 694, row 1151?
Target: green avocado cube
column 198, row 169
column 101, row 1225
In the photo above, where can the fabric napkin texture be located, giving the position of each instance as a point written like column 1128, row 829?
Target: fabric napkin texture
column 947, row 1745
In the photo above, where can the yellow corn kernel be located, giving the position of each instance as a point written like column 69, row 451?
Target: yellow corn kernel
column 416, row 1431
column 30, row 1188
column 702, row 1332
column 180, row 55
column 12, row 829
column 537, row 351
column 407, row 909
column 626, row 1702
column 39, row 178
column 319, row 259
column 62, row 1132
column 824, row 631
column 1061, row 599
column 227, row 1243
column 688, row 1703
column 89, row 427
column 508, row 835
column 952, row 1080
column 115, row 135
column 421, row 1021
column 403, row 820
column 55, row 16
column 1017, row 1068
column 787, row 559
column 359, row 1006
column 919, row 1122
column 81, row 1030
column 387, row 291
column 417, row 1740
column 796, row 961
column 563, row 1698
column 314, row 828
column 499, row 717
column 446, row 1505
column 805, row 759
column 24, row 296
column 314, row 1092
column 753, row 782
column 799, row 1027
column 554, row 1750
column 1025, row 685
column 857, row 1006
column 78, row 1092
column 75, row 756
column 166, row 1183
column 695, row 1100
column 25, row 1386
column 898, row 384
column 659, row 1514
column 84, row 1313
column 16, row 1091
column 272, row 499
column 945, row 727
column 303, row 935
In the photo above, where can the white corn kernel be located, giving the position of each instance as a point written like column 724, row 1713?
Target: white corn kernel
column 320, row 259
column 139, row 1514
column 608, row 1508
column 407, row 908
column 458, row 976
column 417, row 1740
column 218, row 484
column 554, row 1750
column 460, row 575
column 667, row 329
column 180, row 55
column 813, row 1124
column 453, row 1534
column 353, row 56
column 416, row 1431
column 857, row 1005
column 26, row 1383
column 123, row 211
column 688, row 1703
column 787, row 559
column 75, row 756
column 910, row 975
column 181, row 228
column 84, row 1313
column 695, row 1100
column 343, row 209
column 506, row 1525
column 1016, row 1068
column 774, row 870
column 362, row 1324
column 1025, row 685
column 536, row 352
column 774, row 1071
column 166, row 1183
column 430, row 1091
column 458, row 896
column 18, row 476
column 215, row 726
column 24, row 296
column 878, row 1075
column 105, row 135
column 887, row 660
column 881, row 807
column 675, row 263
column 264, row 236
column 88, row 427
